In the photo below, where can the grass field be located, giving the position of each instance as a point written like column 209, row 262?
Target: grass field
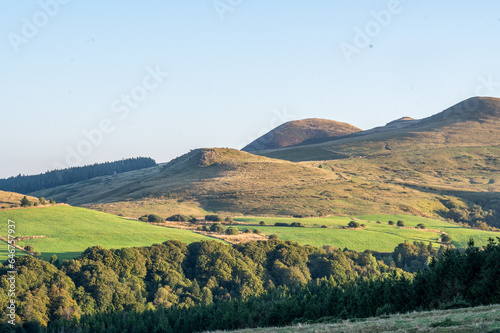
column 378, row 237
column 70, row 230
column 477, row 319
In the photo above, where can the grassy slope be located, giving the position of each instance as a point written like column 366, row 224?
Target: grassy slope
column 227, row 180
column 162, row 206
column 477, row 319
column 378, row 237
column 71, row 230
column 299, row 131
column 10, row 199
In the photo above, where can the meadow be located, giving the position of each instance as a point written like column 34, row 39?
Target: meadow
column 70, row 230
column 374, row 236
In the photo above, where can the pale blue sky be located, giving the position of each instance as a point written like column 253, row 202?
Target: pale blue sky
column 229, row 80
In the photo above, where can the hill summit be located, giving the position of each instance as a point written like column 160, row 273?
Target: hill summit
column 298, row 131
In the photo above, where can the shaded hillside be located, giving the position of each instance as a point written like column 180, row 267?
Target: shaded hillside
column 299, row 131
column 28, row 184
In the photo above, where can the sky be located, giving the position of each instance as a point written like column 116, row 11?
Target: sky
column 85, row 82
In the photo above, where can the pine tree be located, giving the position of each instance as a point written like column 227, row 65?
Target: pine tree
column 25, row 202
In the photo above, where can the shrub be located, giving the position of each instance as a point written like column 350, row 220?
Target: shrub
column 25, row 202
column 178, row 218
column 324, row 226
column 213, row 218
column 54, row 261
column 29, row 248
column 445, row 238
column 281, row 224
column 378, row 222
column 363, row 225
column 192, row 219
column 218, row 228
column 297, row 225
column 229, row 220
column 401, row 223
column 154, row 218
column 262, row 223
column 247, row 231
column 273, row 237
column 143, row 218
column 391, row 222
column 420, row 226
column 205, row 228
column 52, row 201
column 232, row 231
column 257, row 231
column 353, row 224
column 42, row 201
column 200, row 228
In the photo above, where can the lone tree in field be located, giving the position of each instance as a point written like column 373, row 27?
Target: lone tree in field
column 25, row 202
column 401, row 223
column 353, row 224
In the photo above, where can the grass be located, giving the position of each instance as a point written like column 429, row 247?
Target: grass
column 377, row 237
column 227, row 180
column 71, row 230
column 477, row 319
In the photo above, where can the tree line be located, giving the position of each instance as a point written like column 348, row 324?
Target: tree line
column 174, row 287
column 49, row 179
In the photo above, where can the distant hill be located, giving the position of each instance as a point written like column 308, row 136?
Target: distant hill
column 299, row 131
column 473, row 122
column 437, row 166
column 29, row 184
